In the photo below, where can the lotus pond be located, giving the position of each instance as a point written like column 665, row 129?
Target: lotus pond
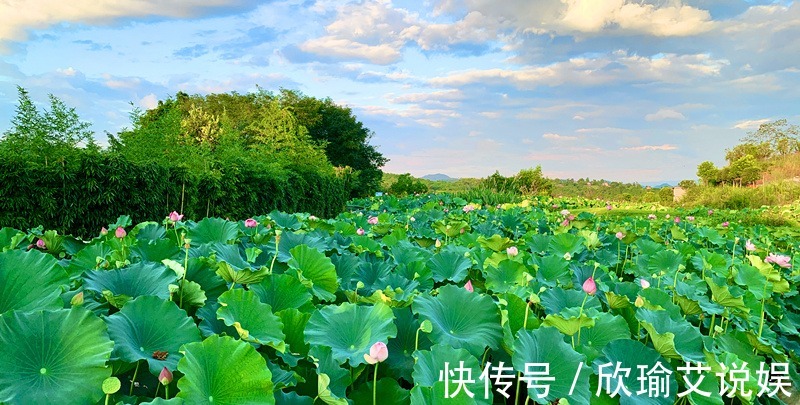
column 513, row 304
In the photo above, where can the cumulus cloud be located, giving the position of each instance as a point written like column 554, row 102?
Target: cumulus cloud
column 18, row 17
column 650, row 147
column 751, row 124
column 149, row 101
column 665, row 114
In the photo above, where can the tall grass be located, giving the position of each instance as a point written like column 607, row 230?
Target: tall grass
column 731, row 197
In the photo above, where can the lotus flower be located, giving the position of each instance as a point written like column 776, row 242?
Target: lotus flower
column 725, row 224
column 780, row 260
column 174, row 216
column 40, row 244
column 639, row 302
column 467, row 208
column 120, row 232
column 103, row 231
column 165, row 377
column 667, row 216
column 749, row 246
column 377, row 353
column 571, row 217
column 468, row 286
column 644, row 283
column 589, row 286
column 360, row 231
column 710, row 212
column 609, row 207
column 77, row 299
column 250, row 223
column 512, row 251
column 690, row 218
column 567, row 256
column 373, row 221
column 620, row 235
column 412, row 219
column 312, row 218
column 564, row 213
column 565, row 222
column 438, row 243
column 651, row 217
column 677, row 220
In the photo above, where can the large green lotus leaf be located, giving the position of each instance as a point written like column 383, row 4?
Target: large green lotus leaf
column 564, row 243
column 556, row 300
column 722, row 295
column 315, row 271
column 10, row 238
column 496, row 243
column 753, row 280
column 210, row 325
column 211, row 230
column 665, row 262
column 133, row 281
column 516, row 311
column 294, row 325
column 389, row 392
column 282, row 291
column 552, row 271
column 224, row 371
column 547, row 346
column 199, row 271
column 147, row 325
column 449, row 265
column 569, row 321
column 155, row 250
column 773, row 275
column 607, row 328
column 332, row 380
column 49, row 357
column 658, row 299
column 285, row 221
column 350, row 330
column 402, row 347
column 708, row 262
column 630, row 354
column 87, row 258
column 508, row 276
column 292, row 398
column 233, row 268
column 429, row 388
column 253, row 319
column 461, row 318
column 30, row 280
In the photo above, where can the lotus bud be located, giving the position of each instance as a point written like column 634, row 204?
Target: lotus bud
column 40, row 244
column 174, row 216
column 377, row 353
column 620, row 235
column 120, row 232
column 360, row 231
column 165, row 377
column 468, row 286
column 77, row 300
column 589, row 286
column 567, row 256
column 312, row 218
column 438, row 243
column 250, row 223
column 639, row 301
column 644, row 283
column 512, row 251
column 412, row 219
column 373, row 221
column 103, row 231
column 749, row 246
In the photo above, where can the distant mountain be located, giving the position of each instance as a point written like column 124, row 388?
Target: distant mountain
column 438, row 177
column 660, row 184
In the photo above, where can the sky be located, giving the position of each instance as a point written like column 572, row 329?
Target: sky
column 626, row 90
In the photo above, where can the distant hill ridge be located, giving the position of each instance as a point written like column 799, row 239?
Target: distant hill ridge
column 438, row 177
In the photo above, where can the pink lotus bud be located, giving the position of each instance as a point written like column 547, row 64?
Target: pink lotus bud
column 725, row 224
column 468, row 286
column 749, row 246
column 690, row 218
column 40, row 244
column 120, row 232
column 165, row 377
column 710, row 212
column 677, row 220
column 644, row 283
column 174, row 216
column 377, row 353
column 512, row 251
column 589, row 286
column 565, row 222
column 360, row 231
column 373, row 221
column 609, row 207
column 250, row 223
column 620, row 235
column 651, row 217
column 103, row 231
column 467, row 208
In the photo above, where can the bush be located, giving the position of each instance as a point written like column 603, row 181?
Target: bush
column 80, row 195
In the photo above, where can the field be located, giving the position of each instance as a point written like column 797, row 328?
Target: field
column 425, row 300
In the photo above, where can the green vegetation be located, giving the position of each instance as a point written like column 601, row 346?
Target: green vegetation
column 374, row 304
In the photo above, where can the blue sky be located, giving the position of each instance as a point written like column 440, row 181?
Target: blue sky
column 630, row 90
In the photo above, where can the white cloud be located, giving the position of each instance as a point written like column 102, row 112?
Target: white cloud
column 149, row 101
column 651, row 147
column 751, row 124
column 18, row 17
column 430, row 97
column 425, row 116
column 665, row 114
column 380, row 54
column 557, row 137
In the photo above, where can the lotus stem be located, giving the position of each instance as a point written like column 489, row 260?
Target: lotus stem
column 166, row 391
column 157, row 387
column 107, row 396
column 711, row 328
column 133, row 380
column 277, row 241
column 580, row 314
column 185, row 270
column 375, row 385
column 763, row 307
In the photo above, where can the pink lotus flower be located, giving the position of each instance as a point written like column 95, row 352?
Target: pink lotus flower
column 780, row 260
column 174, row 216
column 620, row 235
column 644, row 283
column 589, row 286
column 467, row 208
column 690, row 218
column 40, row 244
column 651, row 217
column 571, row 217
column 120, row 232
column 103, row 231
column 165, row 377
column 468, row 286
column 609, row 207
column 250, row 223
column 564, row 213
column 360, row 231
column 677, row 220
column 725, row 224
column 749, row 246
column 377, row 353
column 373, row 221
column 512, row 251
column 565, row 222
column 710, row 212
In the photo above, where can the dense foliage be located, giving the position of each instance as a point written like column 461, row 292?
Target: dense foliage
column 291, row 309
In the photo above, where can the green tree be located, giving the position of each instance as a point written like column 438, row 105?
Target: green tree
column 760, row 151
column 783, row 138
column 532, row 182
column 47, row 135
column 708, row 173
column 687, row 183
column 745, row 170
column 406, row 184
